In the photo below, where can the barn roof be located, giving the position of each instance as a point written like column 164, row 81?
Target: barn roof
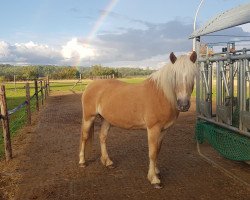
column 230, row 18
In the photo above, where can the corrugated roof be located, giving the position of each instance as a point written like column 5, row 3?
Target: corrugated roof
column 230, row 18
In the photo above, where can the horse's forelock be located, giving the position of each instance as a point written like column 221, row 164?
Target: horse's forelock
column 171, row 74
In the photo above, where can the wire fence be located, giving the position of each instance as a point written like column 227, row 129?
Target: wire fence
column 16, row 109
column 19, row 100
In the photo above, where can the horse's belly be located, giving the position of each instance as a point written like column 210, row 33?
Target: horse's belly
column 124, row 120
column 129, row 126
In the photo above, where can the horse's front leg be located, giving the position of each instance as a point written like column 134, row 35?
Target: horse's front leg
column 154, row 142
column 161, row 136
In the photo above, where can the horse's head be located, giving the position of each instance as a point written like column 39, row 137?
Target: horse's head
column 184, row 71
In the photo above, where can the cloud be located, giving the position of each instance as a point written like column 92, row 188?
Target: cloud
column 4, row 49
column 132, row 47
column 28, row 53
column 137, row 44
column 149, row 47
column 118, row 16
column 246, row 27
column 80, row 50
column 154, row 62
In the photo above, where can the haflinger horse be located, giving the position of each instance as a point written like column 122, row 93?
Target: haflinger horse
column 153, row 105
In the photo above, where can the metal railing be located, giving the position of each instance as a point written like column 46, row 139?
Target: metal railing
column 230, row 71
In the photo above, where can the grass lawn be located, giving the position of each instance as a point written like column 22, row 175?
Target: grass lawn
column 67, row 85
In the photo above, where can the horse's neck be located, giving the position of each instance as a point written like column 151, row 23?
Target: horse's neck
column 158, row 90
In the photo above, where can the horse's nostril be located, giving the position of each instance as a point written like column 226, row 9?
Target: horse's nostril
column 183, row 105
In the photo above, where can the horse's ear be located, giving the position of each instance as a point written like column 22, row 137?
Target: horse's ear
column 172, row 57
column 193, row 57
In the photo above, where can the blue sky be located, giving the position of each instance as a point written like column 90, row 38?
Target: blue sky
column 134, row 33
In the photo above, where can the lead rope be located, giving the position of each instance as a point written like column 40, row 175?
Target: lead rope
column 219, row 167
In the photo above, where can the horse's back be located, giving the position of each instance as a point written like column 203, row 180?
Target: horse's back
column 98, row 88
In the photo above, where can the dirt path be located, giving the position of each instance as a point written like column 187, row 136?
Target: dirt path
column 45, row 164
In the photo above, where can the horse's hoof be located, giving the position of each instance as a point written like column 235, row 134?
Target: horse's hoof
column 157, row 186
column 111, row 166
column 82, row 165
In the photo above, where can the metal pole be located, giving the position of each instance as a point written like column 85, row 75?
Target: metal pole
column 198, row 77
column 210, row 96
column 240, row 91
column 224, row 79
column 248, row 75
column 245, row 133
column 205, row 76
column 195, row 17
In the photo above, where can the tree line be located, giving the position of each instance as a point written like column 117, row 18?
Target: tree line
column 7, row 72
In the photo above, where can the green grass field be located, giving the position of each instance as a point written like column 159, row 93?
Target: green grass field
column 68, row 85
column 16, row 96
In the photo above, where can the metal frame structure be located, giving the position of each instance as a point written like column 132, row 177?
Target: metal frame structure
column 230, row 70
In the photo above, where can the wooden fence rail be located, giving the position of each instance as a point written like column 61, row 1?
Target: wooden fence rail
column 5, row 113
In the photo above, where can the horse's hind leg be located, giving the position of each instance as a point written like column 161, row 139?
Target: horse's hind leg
column 103, row 136
column 87, row 132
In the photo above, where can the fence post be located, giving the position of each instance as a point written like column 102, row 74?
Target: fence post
column 5, row 124
column 41, row 86
column 15, row 82
column 45, row 89
column 27, row 86
column 48, row 89
column 81, row 82
column 36, row 94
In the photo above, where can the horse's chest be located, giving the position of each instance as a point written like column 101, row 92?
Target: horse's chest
column 168, row 124
column 169, row 119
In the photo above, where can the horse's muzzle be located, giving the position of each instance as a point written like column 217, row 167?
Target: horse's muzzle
column 183, row 105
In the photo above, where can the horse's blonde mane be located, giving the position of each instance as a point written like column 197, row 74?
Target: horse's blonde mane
column 169, row 75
